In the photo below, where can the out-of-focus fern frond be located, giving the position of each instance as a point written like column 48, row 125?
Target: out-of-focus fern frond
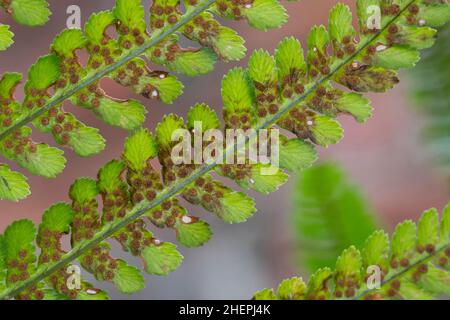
column 433, row 96
column 329, row 215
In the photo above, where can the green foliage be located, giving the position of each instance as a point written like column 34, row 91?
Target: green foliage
column 329, row 214
column 61, row 76
column 5, row 37
column 31, row 13
column 297, row 95
column 13, row 185
column 414, row 265
column 432, row 97
column 27, row 12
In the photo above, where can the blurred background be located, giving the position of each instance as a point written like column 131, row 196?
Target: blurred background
column 386, row 158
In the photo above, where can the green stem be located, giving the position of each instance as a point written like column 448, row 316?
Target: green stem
column 104, row 71
column 174, row 190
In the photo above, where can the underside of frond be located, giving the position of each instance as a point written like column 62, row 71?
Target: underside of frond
column 116, row 41
column 290, row 90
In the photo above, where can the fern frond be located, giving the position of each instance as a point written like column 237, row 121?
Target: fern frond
column 329, row 214
column 13, row 185
column 60, row 76
column 432, row 97
column 297, row 95
column 413, row 265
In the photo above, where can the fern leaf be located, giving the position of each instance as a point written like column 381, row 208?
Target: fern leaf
column 40, row 159
column 56, row 223
column 432, row 97
column 413, row 266
column 329, row 215
column 301, row 95
column 60, row 76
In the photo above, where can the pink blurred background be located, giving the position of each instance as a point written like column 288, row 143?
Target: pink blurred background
column 385, row 156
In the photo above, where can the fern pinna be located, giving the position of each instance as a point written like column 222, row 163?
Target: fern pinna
column 27, row 12
column 413, row 265
column 284, row 90
column 60, row 76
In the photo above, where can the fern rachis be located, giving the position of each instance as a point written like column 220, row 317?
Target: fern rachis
column 240, row 90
